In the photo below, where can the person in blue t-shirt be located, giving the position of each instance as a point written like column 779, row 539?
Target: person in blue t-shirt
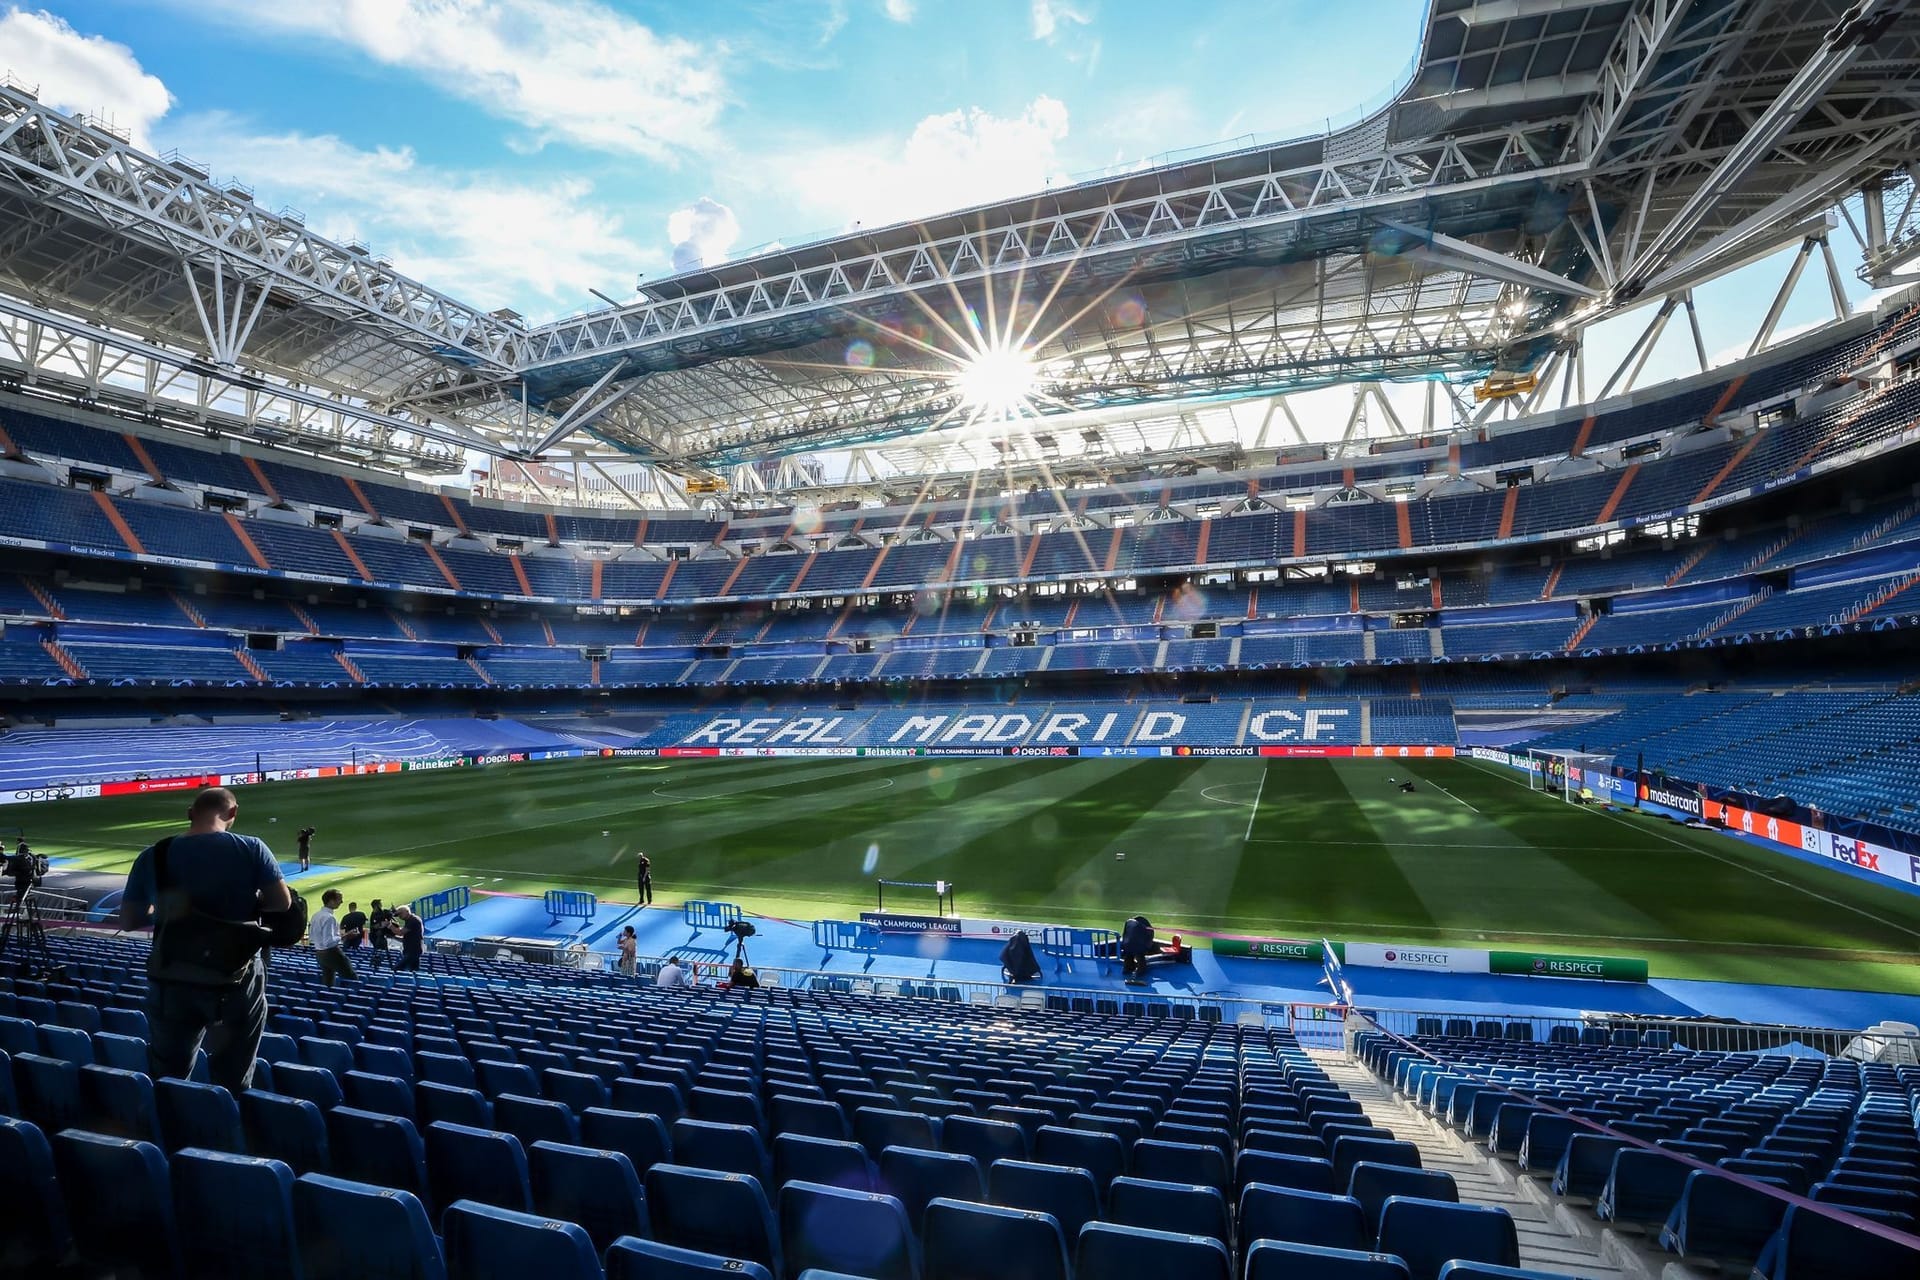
column 216, row 872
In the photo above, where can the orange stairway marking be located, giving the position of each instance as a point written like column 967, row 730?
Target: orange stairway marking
column 1253, row 603
column 666, row 580
column 546, row 629
column 1553, row 580
column 520, row 575
column 1403, row 523
column 346, row 665
column 253, row 668
column 1436, row 592
column 553, row 531
column 1300, row 532
column 739, row 567
column 353, row 557
column 1200, row 547
column 1113, row 550
column 141, row 456
column 801, row 576
column 1580, row 441
column 440, row 563
column 640, row 532
column 247, row 543
column 1033, row 549
column 1508, row 507
column 68, row 663
column 359, row 496
column 8, row 449
column 406, row 628
column 119, row 522
column 873, row 570
column 1739, row 456
column 260, row 478
column 492, row 631
column 454, row 512
column 1619, row 492
column 599, row 575
column 1726, row 398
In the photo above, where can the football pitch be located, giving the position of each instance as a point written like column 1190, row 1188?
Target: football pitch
column 1288, row 848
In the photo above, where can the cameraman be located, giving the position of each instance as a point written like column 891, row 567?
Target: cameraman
column 25, row 870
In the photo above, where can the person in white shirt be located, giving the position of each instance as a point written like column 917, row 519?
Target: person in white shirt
column 324, row 932
column 672, row 975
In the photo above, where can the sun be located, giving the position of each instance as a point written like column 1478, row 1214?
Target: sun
column 998, row 381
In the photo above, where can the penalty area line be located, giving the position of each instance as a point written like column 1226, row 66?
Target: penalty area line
column 1449, row 795
column 1254, row 816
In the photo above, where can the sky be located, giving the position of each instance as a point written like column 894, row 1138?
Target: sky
column 523, row 153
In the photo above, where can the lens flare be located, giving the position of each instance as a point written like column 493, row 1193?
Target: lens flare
column 859, row 354
column 998, row 381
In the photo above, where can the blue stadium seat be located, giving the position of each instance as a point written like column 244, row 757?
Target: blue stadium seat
column 987, row 1242
column 919, row 1177
column 856, row 1232
column 497, row 1078
column 1101, row 1154
column 118, row 1202
column 1546, row 1141
column 33, row 1234
column 66, row 1044
column 1719, row 1218
column 1191, row 1162
column 389, row 1095
column 125, row 1052
column 464, row 1163
column 1643, row 1187
column 447, row 1069
column 597, row 1189
column 713, row 1212
column 351, row 1231
column 650, row 1097
column 383, row 1060
column 1812, row 1246
column 642, row 1139
column 578, row 1090
column 1067, row 1194
column 48, row 1091
column 1348, row 1152
column 1302, row 1173
column 534, row 1119
column 1185, row 1208
column 235, row 1213
column 433, row 1101
column 1461, row 1269
column 291, row 1130
column 198, row 1115
column 984, row 1140
column 810, row 1117
column 877, row 1128
column 1426, row 1234
column 1373, row 1184
column 382, row 1150
column 822, row 1160
column 1106, row 1249
column 728, row 1106
column 632, row 1259
column 335, row 1056
column 1278, row 1260
column 1585, row 1167
column 119, row 1103
column 316, row 1084
column 18, row 1036
column 732, row 1148
column 1303, row 1217
column 484, row 1242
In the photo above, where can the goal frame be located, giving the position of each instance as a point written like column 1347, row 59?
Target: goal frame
column 1554, row 770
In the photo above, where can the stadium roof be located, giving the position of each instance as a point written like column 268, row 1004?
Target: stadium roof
column 1549, row 163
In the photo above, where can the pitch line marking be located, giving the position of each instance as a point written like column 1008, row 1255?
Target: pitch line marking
column 1255, row 815
column 1206, row 793
column 1741, row 866
column 1448, row 794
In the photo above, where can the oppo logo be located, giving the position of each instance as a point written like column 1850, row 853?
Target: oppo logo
column 44, row 793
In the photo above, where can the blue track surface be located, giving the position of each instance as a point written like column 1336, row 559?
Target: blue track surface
column 787, row 944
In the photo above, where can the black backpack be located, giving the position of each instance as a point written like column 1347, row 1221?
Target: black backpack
column 194, row 949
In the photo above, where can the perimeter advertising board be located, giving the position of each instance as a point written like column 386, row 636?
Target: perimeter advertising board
column 1539, row 965
column 1373, row 955
column 1270, row 949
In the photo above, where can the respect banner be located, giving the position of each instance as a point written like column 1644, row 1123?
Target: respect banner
column 1541, row 965
column 1374, row 955
column 1270, row 949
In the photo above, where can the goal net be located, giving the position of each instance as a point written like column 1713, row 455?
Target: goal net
column 1575, row 776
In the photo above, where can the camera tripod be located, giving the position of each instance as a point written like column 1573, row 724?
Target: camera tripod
column 21, row 924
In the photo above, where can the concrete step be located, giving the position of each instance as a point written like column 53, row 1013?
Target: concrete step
column 1554, row 1236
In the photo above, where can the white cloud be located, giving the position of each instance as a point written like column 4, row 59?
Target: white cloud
column 950, row 161
column 487, row 239
column 899, row 10
column 702, row 233
column 1049, row 16
column 573, row 70
column 89, row 75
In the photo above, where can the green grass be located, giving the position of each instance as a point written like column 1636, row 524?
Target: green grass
column 1331, row 849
